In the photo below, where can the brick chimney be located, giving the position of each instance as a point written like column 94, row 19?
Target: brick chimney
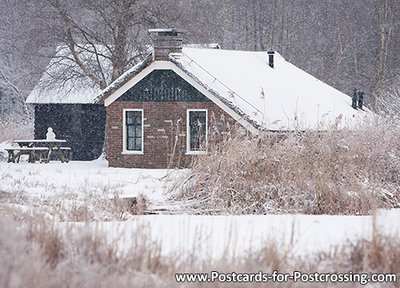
column 166, row 41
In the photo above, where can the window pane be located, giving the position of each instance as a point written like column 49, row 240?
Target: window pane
column 138, row 131
column 133, row 117
column 131, row 143
column 134, row 130
column 138, row 143
column 131, row 131
column 197, row 125
column 129, row 117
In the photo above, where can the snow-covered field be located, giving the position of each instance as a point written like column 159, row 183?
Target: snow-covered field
column 209, row 236
column 81, row 178
column 216, row 237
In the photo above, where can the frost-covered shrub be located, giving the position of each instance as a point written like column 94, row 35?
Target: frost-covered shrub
column 42, row 253
column 11, row 131
column 332, row 172
column 15, row 130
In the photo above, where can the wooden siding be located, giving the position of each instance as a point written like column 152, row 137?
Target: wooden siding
column 163, row 86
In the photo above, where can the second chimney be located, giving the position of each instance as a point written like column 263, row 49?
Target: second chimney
column 166, row 41
column 271, row 58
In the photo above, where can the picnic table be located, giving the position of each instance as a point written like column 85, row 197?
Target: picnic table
column 39, row 149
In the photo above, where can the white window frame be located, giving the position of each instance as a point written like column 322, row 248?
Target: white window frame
column 188, row 151
column 124, row 134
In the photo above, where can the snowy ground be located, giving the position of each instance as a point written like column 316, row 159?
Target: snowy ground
column 212, row 236
column 215, row 237
column 81, row 178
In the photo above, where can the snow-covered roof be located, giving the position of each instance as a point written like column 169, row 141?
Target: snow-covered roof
column 280, row 98
column 283, row 97
column 64, row 82
column 203, row 45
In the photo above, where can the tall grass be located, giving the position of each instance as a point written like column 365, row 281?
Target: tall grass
column 331, row 172
column 42, row 253
column 377, row 253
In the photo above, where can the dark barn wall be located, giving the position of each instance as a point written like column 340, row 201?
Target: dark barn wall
column 82, row 125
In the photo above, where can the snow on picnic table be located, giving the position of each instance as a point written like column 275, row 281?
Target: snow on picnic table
column 207, row 236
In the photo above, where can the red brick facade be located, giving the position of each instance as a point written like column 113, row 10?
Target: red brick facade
column 164, row 132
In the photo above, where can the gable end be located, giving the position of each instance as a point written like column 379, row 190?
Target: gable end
column 163, row 86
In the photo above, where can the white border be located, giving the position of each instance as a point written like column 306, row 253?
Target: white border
column 167, row 65
column 125, row 151
column 188, row 151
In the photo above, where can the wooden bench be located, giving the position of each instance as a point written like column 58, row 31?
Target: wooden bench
column 14, row 154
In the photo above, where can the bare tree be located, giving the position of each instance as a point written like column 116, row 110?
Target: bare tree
column 118, row 26
column 20, row 63
column 386, row 21
column 388, row 97
column 347, row 44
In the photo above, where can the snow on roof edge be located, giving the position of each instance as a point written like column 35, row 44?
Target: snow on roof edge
column 121, row 80
column 160, row 30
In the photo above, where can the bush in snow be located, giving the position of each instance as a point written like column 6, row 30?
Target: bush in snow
column 331, row 172
column 15, row 130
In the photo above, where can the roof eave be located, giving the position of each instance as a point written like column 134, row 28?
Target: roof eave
column 121, row 80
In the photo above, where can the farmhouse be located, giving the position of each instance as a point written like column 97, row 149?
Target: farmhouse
column 161, row 111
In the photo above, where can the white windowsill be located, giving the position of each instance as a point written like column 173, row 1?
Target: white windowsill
column 196, row 152
column 132, row 153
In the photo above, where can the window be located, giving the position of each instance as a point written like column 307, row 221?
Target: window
column 196, row 131
column 133, row 131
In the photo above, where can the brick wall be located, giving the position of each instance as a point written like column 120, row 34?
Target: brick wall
column 163, row 121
